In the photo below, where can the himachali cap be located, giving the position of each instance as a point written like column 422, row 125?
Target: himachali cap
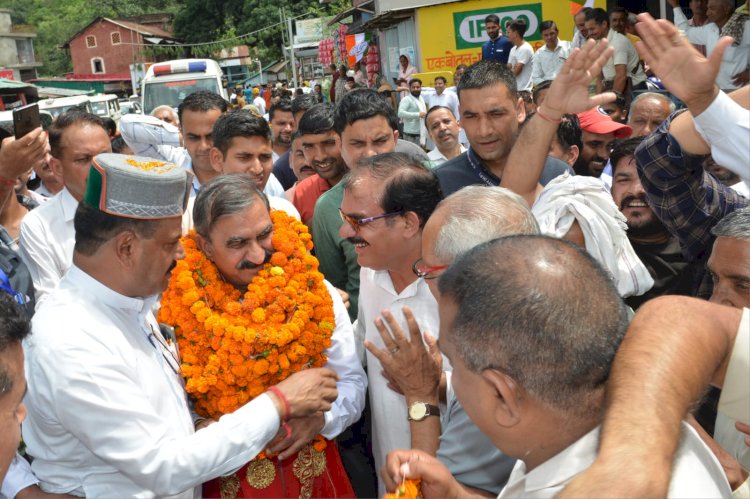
column 597, row 121
column 137, row 187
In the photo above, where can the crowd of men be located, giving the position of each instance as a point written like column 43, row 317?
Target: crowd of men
column 536, row 274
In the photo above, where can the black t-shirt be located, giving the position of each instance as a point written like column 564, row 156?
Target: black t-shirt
column 464, row 170
column 672, row 274
column 283, row 172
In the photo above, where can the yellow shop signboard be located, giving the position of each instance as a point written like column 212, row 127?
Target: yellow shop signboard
column 453, row 33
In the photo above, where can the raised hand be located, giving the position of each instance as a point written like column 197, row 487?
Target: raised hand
column 18, row 155
column 569, row 92
column 685, row 72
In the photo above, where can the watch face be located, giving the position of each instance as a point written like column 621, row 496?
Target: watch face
column 418, row 411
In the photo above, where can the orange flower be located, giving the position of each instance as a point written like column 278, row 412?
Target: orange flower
column 234, row 345
column 410, row 489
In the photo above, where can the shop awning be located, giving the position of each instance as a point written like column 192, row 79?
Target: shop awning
column 352, row 10
column 384, row 20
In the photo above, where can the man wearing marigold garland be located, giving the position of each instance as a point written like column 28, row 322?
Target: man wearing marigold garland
column 249, row 308
column 107, row 410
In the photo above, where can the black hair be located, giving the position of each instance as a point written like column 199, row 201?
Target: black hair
column 66, row 120
column 547, row 25
column 118, row 144
column 239, row 123
column 109, row 125
column 544, row 85
column 408, row 184
column 14, row 327
column 362, row 104
column 519, row 26
column 201, row 101
column 283, row 105
column 598, row 15
column 317, row 119
column 303, row 103
column 623, row 149
column 486, row 73
column 441, row 78
column 492, row 18
column 437, row 108
column 569, row 132
column 415, row 79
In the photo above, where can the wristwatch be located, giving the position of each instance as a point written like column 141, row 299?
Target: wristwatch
column 420, row 410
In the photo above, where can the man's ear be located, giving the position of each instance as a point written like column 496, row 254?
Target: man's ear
column 573, row 153
column 204, row 245
column 520, row 110
column 412, row 223
column 508, row 395
column 395, row 136
column 126, row 247
column 216, row 158
column 56, row 166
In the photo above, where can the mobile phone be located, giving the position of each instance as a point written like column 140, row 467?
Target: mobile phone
column 26, row 119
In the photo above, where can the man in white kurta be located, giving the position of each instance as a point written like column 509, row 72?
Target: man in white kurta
column 387, row 242
column 107, row 412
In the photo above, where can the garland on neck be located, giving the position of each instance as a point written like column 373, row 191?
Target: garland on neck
column 234, row 347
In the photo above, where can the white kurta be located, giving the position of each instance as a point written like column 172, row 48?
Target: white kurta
column 390, row 428
column 47, row 241
column 696, row 471
column 108, row 417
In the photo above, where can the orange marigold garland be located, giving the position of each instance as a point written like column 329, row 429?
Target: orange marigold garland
column 234, row 347
column 409, row 489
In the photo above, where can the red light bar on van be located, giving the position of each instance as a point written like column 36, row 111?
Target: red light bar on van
column 180, row 67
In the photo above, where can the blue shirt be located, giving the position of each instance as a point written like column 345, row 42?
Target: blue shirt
column 497, row 49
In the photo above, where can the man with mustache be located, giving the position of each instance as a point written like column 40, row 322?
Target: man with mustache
column 282, row 123
column 657, row 248
column 443, row 129
column 235, row 232
column 599, row 132
column 321, row 145
column 108, row 415
column 387, row 200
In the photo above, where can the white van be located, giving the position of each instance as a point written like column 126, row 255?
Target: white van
column 58, row 106
column 106, row 106
column 168, row 83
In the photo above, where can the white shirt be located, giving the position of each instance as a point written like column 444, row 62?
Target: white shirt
column 18, row 477
column 390, row 428
column 725, row 126
column 108, row 417
column 624, row 54
column 260, row 103
column 735, row 59
column 522, row 54
column 446, row 99
column 437, row 157
column 42, row 190
column 47, row 241
column 695, row 473
column 547, row 63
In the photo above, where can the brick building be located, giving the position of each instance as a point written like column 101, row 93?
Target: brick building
column 107, row 47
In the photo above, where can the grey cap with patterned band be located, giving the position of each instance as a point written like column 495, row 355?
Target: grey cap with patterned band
column 137, row 187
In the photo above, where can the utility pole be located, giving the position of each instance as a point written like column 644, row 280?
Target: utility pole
column 291, row 50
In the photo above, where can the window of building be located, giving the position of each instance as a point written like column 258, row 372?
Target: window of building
column 90, row 41
column 115, row 36
column 97, row 65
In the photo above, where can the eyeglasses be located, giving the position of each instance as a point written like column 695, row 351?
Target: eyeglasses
column 426, row 272
column 171, row 359
column 357, row 223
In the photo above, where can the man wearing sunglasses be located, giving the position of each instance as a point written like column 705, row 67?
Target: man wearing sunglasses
column 387, row 200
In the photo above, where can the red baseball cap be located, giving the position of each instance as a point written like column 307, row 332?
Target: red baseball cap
column 595, row 120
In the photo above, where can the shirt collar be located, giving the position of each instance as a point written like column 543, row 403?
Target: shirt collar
column 68, row 204
column 383, row 281
column 565, row 465
column 108, row 296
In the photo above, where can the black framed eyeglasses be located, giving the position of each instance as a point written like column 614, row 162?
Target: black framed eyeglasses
column 426, row 271
column 357, row 223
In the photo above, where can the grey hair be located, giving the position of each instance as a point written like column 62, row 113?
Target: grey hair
column 477, row 214
column 657, row 96
column 164, row 107
column 223, row 196
column 735, row 225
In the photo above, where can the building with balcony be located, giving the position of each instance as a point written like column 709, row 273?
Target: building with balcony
column 17, row 60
